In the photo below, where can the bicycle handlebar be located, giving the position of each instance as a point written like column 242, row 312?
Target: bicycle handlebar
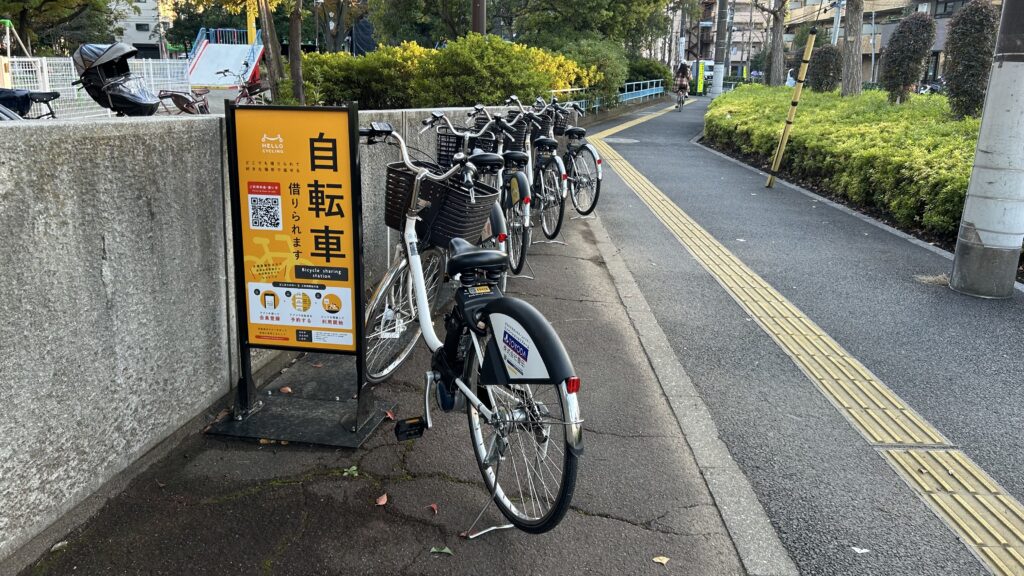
column 384, row 130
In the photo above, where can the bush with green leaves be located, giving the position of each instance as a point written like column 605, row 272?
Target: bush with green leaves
column 903, row 60
column 606, row 56
column 648, row 69
column 473, row 69
column 910, row 162
column 969, row 48
column 825, row 70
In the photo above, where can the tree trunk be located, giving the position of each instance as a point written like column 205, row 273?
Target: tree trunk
column 333, row 15
column 272, row 49
column 295, row 52
column 852, row 57
column 777, row 68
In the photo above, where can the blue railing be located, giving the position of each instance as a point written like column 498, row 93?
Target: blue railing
column 631, row 92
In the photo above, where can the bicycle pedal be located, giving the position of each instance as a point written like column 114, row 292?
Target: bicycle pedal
column 410, row 428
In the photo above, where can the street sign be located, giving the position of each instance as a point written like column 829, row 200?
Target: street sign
column 706, row 24
column 299, row 229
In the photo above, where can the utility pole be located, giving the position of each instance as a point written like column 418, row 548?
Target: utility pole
column 728, row 42
column 836, row 21
column 479, row 16
column 720, row 40
column 992, row 227
column 874, row 46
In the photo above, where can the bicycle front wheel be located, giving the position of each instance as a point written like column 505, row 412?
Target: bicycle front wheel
column 524, row 458
column 392, row 325
column 586, row 187
column 551, row 205
column 518, row 237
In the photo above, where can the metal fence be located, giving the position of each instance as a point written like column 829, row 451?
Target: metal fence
column 631, row 92
column 57, row 74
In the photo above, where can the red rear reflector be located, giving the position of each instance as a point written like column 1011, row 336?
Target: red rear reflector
column 572, row 385
column 599, row 161
column 502, row 237
column 565, row 176
column 526, row 200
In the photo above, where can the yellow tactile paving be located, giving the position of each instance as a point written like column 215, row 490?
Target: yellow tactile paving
column 873, row 409
column 987, row 519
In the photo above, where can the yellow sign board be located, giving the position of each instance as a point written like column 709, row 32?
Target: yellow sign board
column 297, row 211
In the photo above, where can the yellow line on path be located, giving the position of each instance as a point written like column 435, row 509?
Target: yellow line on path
column 987, row 519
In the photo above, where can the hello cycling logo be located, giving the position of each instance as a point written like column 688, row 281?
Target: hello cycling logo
column 272, row 144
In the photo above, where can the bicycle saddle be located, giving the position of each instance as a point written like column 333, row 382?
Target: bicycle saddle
column 575, row 133
column 43, row 96
column 545, row 142
column 465, row 257
column 482, row 159
column 201, row 91
column 514, row 158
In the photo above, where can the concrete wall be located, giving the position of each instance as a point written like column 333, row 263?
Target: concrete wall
column 112, row 318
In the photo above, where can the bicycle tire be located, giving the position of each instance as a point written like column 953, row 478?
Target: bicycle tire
column 551, row 204
column 586, row 185
column 391, row 324
column 518, row 237
column 533, row 513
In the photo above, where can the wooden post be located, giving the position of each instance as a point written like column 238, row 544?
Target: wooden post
column 777, row 157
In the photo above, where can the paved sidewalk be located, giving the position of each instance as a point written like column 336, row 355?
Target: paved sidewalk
column 223, row 506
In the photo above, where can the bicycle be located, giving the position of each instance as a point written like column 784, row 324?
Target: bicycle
column 391, row 328
column 248, row 92
column 581, row 160
column 546, row 168
column 21, row 102
column 500, row 360
column 187, row 102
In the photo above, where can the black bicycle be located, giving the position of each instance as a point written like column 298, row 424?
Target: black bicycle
column 547, row 170
column 582, row 162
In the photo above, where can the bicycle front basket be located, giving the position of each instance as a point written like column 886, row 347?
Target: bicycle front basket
column 561, row 123
column 518, row 143
column 545, row 126
column 398, row 188
column 448, row 145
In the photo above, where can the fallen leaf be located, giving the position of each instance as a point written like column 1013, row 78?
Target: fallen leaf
column 860, row 550
column 434, row 508
column 382, row 499
column 663, row 560
column 439, row 550
column 464, row 534
column 285, row 390
column 284, row 442
column 266, row 441
column 59, row 546
column 161, row 484
column 390, row 415
column 317, row 364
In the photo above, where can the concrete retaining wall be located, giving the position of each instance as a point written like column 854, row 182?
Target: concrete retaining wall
column 117, row 314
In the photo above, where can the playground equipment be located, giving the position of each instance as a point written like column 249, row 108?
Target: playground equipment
column 218, row 49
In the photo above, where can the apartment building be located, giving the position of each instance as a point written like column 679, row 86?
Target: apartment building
column 145, row 27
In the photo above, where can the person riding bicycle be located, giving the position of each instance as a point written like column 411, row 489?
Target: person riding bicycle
column 683, row 78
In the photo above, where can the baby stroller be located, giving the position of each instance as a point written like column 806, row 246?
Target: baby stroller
column 103, row 72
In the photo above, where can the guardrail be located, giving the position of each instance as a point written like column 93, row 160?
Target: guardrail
column 629, row 92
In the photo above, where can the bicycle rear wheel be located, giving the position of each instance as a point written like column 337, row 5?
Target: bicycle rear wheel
column 524, row 457
column 587, row 186
column 392, row 326
column 550, row 203
column 518, row 237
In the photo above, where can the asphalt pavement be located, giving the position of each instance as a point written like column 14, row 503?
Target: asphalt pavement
column 223, row 506
column 839, row 508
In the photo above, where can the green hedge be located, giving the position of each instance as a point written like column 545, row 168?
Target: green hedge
column 648, row 69
column 473, row 69
column 912, row 162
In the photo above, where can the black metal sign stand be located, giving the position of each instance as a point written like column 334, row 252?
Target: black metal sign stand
column 331, row 403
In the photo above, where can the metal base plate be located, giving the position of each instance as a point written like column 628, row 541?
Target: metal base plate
column 305, row 420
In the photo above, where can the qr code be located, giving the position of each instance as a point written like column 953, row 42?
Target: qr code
column 264, row 212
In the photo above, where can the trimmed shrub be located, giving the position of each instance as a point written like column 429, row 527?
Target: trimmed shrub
column 903, row 60
column 606, row 56
column 910, row 162
column 379, row 80
column 825, row 70
column 648, row 69
column 473, row 69
column 969, row 49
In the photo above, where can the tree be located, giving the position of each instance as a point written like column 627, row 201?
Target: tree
column 334, row 18
column 969, row 49
column 903, row 60
column 295, row 51
column 58, row 23
column 777, row 60
column 825, row 69
column 424, row 21
column 853, row 59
